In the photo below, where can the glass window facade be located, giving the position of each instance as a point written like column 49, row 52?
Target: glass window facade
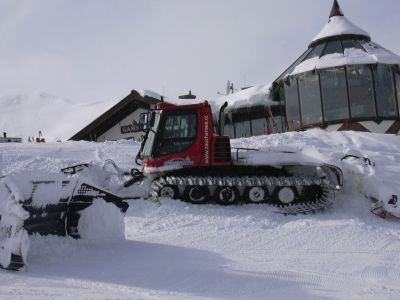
column 361, row 93
column 310, row 98
column 256, row 121
column 345, row 92
column 353, row 92
column 351, row 44
column 243, row 129
column 384, row 90
column 316, row 52
column 259, row 126
column 333, row 47
column 295, row 64
column 292, row 104
column 229, row 130
column 334, row 94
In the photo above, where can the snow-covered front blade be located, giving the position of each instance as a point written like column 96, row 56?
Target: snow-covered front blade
column 14, row 241
column 107, row 174
column 45, row 203
column 367, row 178
column 85, row 196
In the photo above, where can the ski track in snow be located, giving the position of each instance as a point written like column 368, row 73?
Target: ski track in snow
column 175, row 250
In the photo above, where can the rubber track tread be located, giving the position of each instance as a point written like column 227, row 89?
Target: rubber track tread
column 303, row 207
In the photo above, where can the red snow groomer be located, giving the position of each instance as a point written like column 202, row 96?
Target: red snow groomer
column 188, row 160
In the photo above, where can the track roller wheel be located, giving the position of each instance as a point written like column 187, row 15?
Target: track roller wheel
column 285, row 195
column 312, row 193
column 256, row 194
column 226, row 195
column 196, row 194
column 168, row 191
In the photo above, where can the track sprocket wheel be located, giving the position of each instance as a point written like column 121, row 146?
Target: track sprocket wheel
column 168, row 191
column 226, row 195
column 196, row 194
column 256, row 194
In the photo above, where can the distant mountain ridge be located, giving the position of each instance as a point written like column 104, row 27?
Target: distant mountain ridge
column 24, row 115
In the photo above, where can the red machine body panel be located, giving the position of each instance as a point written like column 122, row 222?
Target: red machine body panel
column 206, row 150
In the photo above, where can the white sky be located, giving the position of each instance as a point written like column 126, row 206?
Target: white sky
column 97, row 50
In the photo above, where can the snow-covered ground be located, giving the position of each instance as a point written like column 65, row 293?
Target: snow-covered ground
column 181, row 251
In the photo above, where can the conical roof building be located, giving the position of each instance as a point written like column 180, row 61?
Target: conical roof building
column 343, row 81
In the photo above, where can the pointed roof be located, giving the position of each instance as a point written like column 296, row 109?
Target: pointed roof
column 359, row 49
column 338, row 25
column 336, row 10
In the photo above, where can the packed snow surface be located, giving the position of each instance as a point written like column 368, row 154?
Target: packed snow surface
column 176, row 250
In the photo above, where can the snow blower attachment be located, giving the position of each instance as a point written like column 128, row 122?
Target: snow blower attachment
column 44, row 203
column 364, row 175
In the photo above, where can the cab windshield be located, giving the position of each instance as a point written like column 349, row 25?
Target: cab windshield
column 177, row 133
column 169, row 132
column 151, row 134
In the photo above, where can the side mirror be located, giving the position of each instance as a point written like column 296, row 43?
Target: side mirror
column 144, row 121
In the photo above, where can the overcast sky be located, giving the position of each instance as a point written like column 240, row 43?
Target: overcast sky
column 100, row 50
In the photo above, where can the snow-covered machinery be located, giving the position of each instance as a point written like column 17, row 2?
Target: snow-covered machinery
column 181, row 157
column 187, row 160
column 47, row 203
column 365, row 177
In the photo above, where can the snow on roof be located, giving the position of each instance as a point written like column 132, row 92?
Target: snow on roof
column 256, row 95
column 149, row 93
column 253, row 96
column 373, row 54
column 337, row 26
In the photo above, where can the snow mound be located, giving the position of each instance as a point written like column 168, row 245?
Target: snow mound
column 101, row 221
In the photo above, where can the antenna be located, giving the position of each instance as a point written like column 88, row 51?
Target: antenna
column 229, row 88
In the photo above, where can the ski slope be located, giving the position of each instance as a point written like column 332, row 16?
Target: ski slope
column 176, row 250
column 24, row 115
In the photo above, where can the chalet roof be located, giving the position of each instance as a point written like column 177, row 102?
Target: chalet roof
column 115, row 114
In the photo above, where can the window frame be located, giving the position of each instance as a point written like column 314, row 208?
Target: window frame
column 305, row 105
column 290, row 121
column 161, row 140
column 374, row 69
column 351, row 101
column 324, row 106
